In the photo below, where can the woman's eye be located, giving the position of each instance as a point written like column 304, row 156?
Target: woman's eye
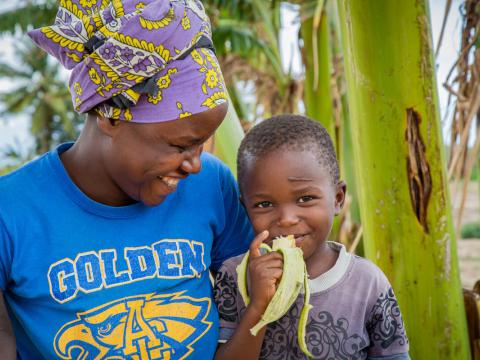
column 263, row 204
column 180, row 148
column 305, row 199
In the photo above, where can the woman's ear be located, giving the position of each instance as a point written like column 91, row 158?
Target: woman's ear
column 107, row 126
column 340, row 192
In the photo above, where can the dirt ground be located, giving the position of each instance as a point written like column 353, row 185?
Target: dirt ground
column 468, row 249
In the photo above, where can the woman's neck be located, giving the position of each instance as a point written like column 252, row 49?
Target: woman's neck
column 85, row 166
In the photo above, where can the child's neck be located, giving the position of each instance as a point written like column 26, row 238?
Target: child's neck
column 321, row 261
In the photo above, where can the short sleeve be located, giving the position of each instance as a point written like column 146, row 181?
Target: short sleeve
column 5, row 256
column 385, row 327
column 226, row 294
column 237, row 233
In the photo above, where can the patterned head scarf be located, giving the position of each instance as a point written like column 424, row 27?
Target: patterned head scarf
column 142, row 61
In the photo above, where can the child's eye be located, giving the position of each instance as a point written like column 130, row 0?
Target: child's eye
column 263, row 204
column 306, row 198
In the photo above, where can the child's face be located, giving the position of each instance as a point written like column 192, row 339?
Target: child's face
column 289, row 193
column 146, row 161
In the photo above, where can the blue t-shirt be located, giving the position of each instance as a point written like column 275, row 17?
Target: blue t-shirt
column 86, row 280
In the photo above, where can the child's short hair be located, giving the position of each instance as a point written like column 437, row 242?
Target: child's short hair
column 288, row 132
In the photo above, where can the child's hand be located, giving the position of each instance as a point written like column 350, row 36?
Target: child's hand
column 264, row 273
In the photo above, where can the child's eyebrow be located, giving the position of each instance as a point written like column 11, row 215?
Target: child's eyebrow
column 293, row 178
column 259, row 195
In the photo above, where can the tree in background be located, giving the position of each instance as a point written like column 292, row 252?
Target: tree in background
column 400, row 161
column 39, row 91
column 27, row 14
column 246, row 34
column 325, row 100
column 38, row 88
column 463, row 86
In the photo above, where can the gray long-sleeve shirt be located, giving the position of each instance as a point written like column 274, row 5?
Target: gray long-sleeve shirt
column 355, row 314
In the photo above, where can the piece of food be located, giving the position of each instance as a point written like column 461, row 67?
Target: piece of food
column 294, row 278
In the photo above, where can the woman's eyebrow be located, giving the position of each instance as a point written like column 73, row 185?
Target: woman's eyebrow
column 189, row 140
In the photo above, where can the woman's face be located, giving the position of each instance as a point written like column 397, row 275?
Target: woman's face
column 146, row 161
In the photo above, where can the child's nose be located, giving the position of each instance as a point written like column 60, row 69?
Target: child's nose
column 287, row 217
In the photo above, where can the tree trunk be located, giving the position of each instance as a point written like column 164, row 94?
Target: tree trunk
column 400, row 160
column 227, row 139
column 318, row 74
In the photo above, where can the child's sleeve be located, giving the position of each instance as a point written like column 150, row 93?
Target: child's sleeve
column 226, row 295
column 385, row 327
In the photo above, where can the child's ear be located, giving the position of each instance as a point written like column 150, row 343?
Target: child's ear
column 341, row 191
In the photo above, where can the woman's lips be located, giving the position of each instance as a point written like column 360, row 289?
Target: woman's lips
column 171, row 182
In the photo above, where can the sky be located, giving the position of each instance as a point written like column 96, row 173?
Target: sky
column 14, row 132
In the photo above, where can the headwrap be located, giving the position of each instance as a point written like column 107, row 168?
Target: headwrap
column 142, row 61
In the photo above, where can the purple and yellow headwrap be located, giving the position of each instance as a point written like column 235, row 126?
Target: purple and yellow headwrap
column 141, row 61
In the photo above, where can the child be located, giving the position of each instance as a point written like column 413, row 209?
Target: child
column 289, row 183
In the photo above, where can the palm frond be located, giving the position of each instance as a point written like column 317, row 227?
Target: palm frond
column 17, row 100
column 27, row 16
column 7, row 70
column 234, row 36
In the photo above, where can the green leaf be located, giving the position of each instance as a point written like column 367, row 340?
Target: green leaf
column 27, row 16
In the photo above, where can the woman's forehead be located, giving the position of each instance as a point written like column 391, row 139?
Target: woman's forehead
column 194, row 129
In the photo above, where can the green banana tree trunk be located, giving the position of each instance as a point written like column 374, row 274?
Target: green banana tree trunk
column 228, row 138
column 400, row 160
column 317, row 95
column 346, row 159
column 318, row 72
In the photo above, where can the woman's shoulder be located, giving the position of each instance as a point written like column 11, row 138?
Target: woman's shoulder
column 213, row 175
column 212, row 164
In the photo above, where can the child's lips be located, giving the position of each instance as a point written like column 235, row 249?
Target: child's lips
column 299, row 239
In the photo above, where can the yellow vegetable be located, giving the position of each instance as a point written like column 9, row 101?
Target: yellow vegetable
column 294, row 278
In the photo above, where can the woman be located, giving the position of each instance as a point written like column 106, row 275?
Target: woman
column 106, row 244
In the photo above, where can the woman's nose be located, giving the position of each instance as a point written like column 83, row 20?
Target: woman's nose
column 192, row 164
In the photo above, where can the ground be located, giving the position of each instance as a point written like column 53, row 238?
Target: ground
column 468, row 249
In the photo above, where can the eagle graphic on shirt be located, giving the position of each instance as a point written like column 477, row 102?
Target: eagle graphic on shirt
column 151, row 326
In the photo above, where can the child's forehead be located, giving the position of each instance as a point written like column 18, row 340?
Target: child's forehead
column 287, row 157
column 294, row 165
column 285, row 177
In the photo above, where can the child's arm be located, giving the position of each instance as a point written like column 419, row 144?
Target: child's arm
column 385, row 327
column 264, row 273
column 7, row 339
